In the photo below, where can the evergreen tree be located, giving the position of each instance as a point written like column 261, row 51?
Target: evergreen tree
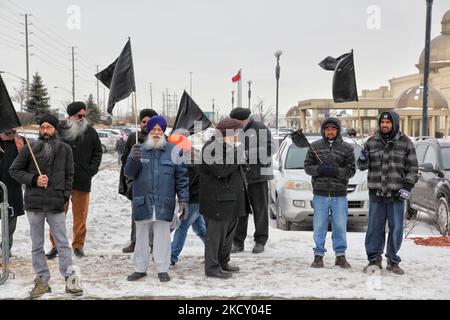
column 37, row 102
column 93, row 111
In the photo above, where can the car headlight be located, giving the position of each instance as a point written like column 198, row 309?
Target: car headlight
column 363, row 186
column 297, row 185
column 299, row 203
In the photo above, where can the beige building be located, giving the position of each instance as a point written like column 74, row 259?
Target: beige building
column 404, row 95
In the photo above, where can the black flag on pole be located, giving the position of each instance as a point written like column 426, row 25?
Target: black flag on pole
column 299, row 139
column 8, row 115
column 105, row 76
column 344, row 79
column 188, row 113
column 119, row 77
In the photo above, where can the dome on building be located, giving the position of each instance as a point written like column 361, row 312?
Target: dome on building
column 413, row 98
column 439, row 47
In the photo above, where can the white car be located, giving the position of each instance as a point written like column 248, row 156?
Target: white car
column 290, row 192
column 108, row 140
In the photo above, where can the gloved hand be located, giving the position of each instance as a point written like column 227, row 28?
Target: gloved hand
column 404, row 194
column 183, row 208
column 327, row 170
column 136, row 152
column 364, row 155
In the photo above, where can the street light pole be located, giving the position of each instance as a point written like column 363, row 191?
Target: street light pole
column 249, row 92
column 278, row 53
column 214, row 114
column 426, row 70
column 232, row 99
column 190, row 84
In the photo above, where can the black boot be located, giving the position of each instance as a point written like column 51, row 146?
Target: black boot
column 51, row 254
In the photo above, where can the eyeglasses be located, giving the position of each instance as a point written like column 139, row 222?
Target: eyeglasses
column 144, row 121
column 81, row 116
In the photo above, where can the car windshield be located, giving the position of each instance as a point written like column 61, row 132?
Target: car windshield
column 446, row 157
column 296, row 156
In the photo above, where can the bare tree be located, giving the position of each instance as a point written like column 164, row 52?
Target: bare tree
column 260, row 112
column 20, row 95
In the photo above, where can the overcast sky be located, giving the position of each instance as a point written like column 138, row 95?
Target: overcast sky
column 213, row 39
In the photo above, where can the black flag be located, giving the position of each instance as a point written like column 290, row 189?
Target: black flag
column 188, row 113
column 8, row 115
column 299, row 139
column 120, row 77
column 105, row 76
column 344, row 80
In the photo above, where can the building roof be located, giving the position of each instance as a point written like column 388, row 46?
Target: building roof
column 439, row 47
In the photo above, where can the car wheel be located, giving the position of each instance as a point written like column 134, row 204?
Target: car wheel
column 282, row 223
column 442, row 216
column 103, row 149
column 411, row 213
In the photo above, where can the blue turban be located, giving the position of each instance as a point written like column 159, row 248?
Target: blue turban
column 156, row 120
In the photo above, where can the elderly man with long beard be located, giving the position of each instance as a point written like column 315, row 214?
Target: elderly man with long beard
column 87, row 156
column 45, row 195
column 158, row 174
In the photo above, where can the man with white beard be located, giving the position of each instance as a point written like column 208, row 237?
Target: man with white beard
column 158, row 174
column 87, row 156
column 46, row 193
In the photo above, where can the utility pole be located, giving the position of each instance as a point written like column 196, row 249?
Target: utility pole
column 232, row 99
column 190, row 81
column 98, row 101
column 249, row 92
column 151, row 96
column 27, row 57
column 214, row 113
column 73, row 74
column 426, row 71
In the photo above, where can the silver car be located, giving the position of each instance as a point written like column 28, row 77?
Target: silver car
column 290, row 192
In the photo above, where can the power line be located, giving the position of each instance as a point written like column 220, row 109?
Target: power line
column 9, row 46
column 7, row 38
column 16, row 5
column 10, row 25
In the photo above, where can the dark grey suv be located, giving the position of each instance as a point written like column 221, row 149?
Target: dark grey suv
column 431, row 194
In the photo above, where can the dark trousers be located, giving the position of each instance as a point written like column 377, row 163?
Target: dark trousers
column 218, row 242
column 258, row 193
column 12, row 223
column 379, row 213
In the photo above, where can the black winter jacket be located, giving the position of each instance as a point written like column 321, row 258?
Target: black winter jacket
column 87, row 156
column 339, row 154
column 15, row 193
column 60, row 172
column 223, row 190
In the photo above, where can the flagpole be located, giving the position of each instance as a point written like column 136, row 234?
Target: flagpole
column 133, row 100
column 361, row 130
column 32, row 154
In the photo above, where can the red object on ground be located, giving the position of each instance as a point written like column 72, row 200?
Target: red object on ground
column 433, row 241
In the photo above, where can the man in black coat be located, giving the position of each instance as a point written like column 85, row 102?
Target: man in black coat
column 48, row 184
column 223, row 197
column 10, row 146
column 87, row 156
column 125, row 183
column 259, row 149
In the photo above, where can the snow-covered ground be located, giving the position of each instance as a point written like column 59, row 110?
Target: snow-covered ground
column 282, row 271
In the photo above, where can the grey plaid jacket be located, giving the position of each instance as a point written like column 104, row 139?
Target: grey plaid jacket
column 392, row 165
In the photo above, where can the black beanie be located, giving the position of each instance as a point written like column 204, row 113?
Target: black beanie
column 75, row 107
column 147, row 113
column 386, row 115
column 49, row 118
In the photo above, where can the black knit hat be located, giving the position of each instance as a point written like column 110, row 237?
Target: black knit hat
column 49, row 118
column 75, row 107
column 240, row 113
column 386, row 115
column 228, row 124
column 147, row 113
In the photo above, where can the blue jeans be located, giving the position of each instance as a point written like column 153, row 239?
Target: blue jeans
column 379, row 212
column 338, row 207
column 197, row 222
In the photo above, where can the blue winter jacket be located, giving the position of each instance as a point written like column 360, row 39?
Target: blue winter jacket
column 156, row 179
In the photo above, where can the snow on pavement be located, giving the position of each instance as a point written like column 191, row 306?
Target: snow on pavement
column 282, row 271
